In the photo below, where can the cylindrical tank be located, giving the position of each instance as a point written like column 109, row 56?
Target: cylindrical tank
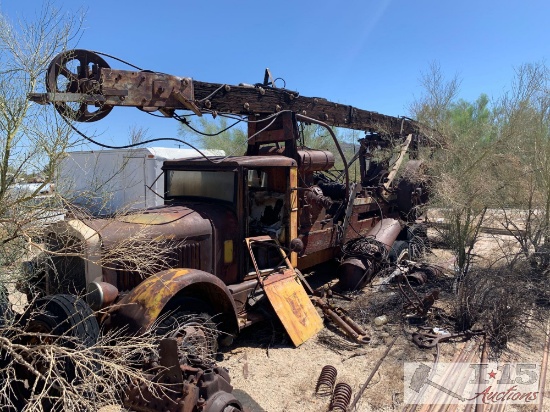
column 315, row 160
column 386, row 231
column 356, row 272
column 309, row 160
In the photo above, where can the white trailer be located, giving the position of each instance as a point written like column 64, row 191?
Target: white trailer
column 110, row 181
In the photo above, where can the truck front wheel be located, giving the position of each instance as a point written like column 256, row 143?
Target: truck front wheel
column 190, row 322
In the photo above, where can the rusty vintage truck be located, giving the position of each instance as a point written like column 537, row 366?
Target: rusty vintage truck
column 232, row 229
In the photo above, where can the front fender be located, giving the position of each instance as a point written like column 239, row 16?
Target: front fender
column 138, row 310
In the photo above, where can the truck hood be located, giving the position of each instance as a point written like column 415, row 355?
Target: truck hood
column 163, row 223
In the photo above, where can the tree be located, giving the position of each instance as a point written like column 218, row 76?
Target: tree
column 523, row 118
column 32, row 138
column 492, row 159
column 460, row 165
column 138, row 134
column 217, row 134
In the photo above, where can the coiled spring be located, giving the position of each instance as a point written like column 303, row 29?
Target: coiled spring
column 340, row 398
column 326, row 381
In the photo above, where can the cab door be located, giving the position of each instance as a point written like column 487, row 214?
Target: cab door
column 271, row 203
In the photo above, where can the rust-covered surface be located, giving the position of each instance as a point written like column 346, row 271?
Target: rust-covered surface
column 164, row 222
column 152, row 91
column 292, row 306
column 339, row 316
column 364, row 257
column 386, row 231
column 309, row 160
column 196, row 232
column 140, row 308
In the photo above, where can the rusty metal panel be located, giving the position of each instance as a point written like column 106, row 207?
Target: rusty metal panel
column 293, row 307
column 145, row 89
column 126, row 276
column 189, row 256
column 162, row 223
column 317, row 240
column 316, row 258
column 139, row 309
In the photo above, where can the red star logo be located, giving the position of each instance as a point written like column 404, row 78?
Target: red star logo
column 492, row 374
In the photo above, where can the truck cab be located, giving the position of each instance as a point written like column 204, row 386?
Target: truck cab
column 241, row 197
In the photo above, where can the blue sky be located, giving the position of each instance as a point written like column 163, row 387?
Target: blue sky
column 368, row 53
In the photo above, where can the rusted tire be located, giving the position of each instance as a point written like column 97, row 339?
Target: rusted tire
column 63, row 320
column 191, row 324
column 399, row 251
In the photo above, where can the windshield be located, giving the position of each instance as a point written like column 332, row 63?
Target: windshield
column 210, row 184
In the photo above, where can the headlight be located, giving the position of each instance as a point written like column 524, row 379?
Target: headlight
column 100, row 294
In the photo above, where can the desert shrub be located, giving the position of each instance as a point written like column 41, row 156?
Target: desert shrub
column 500, row 300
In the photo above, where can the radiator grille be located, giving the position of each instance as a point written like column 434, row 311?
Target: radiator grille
column 188, row 256
column 182, row 256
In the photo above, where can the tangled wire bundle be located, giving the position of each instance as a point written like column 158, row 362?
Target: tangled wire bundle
column 365, row 247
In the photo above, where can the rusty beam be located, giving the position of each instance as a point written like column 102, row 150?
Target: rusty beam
column 152, row 91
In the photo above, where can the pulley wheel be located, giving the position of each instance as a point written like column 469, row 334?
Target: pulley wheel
column 77, row 71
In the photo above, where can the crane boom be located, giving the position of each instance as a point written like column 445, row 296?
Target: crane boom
column 95, row 84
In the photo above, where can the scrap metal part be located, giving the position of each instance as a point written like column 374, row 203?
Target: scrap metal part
column 182, row 388
column 341, row 397
column 428, row 340
column 374, row 370
column 342, row 320
column 363, row 256
column 326, row 381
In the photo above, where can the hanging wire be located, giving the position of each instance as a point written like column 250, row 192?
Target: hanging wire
column 213, row 93
column 172, row 139
column 129, row 146
column 186, row 123
column 118, row 59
